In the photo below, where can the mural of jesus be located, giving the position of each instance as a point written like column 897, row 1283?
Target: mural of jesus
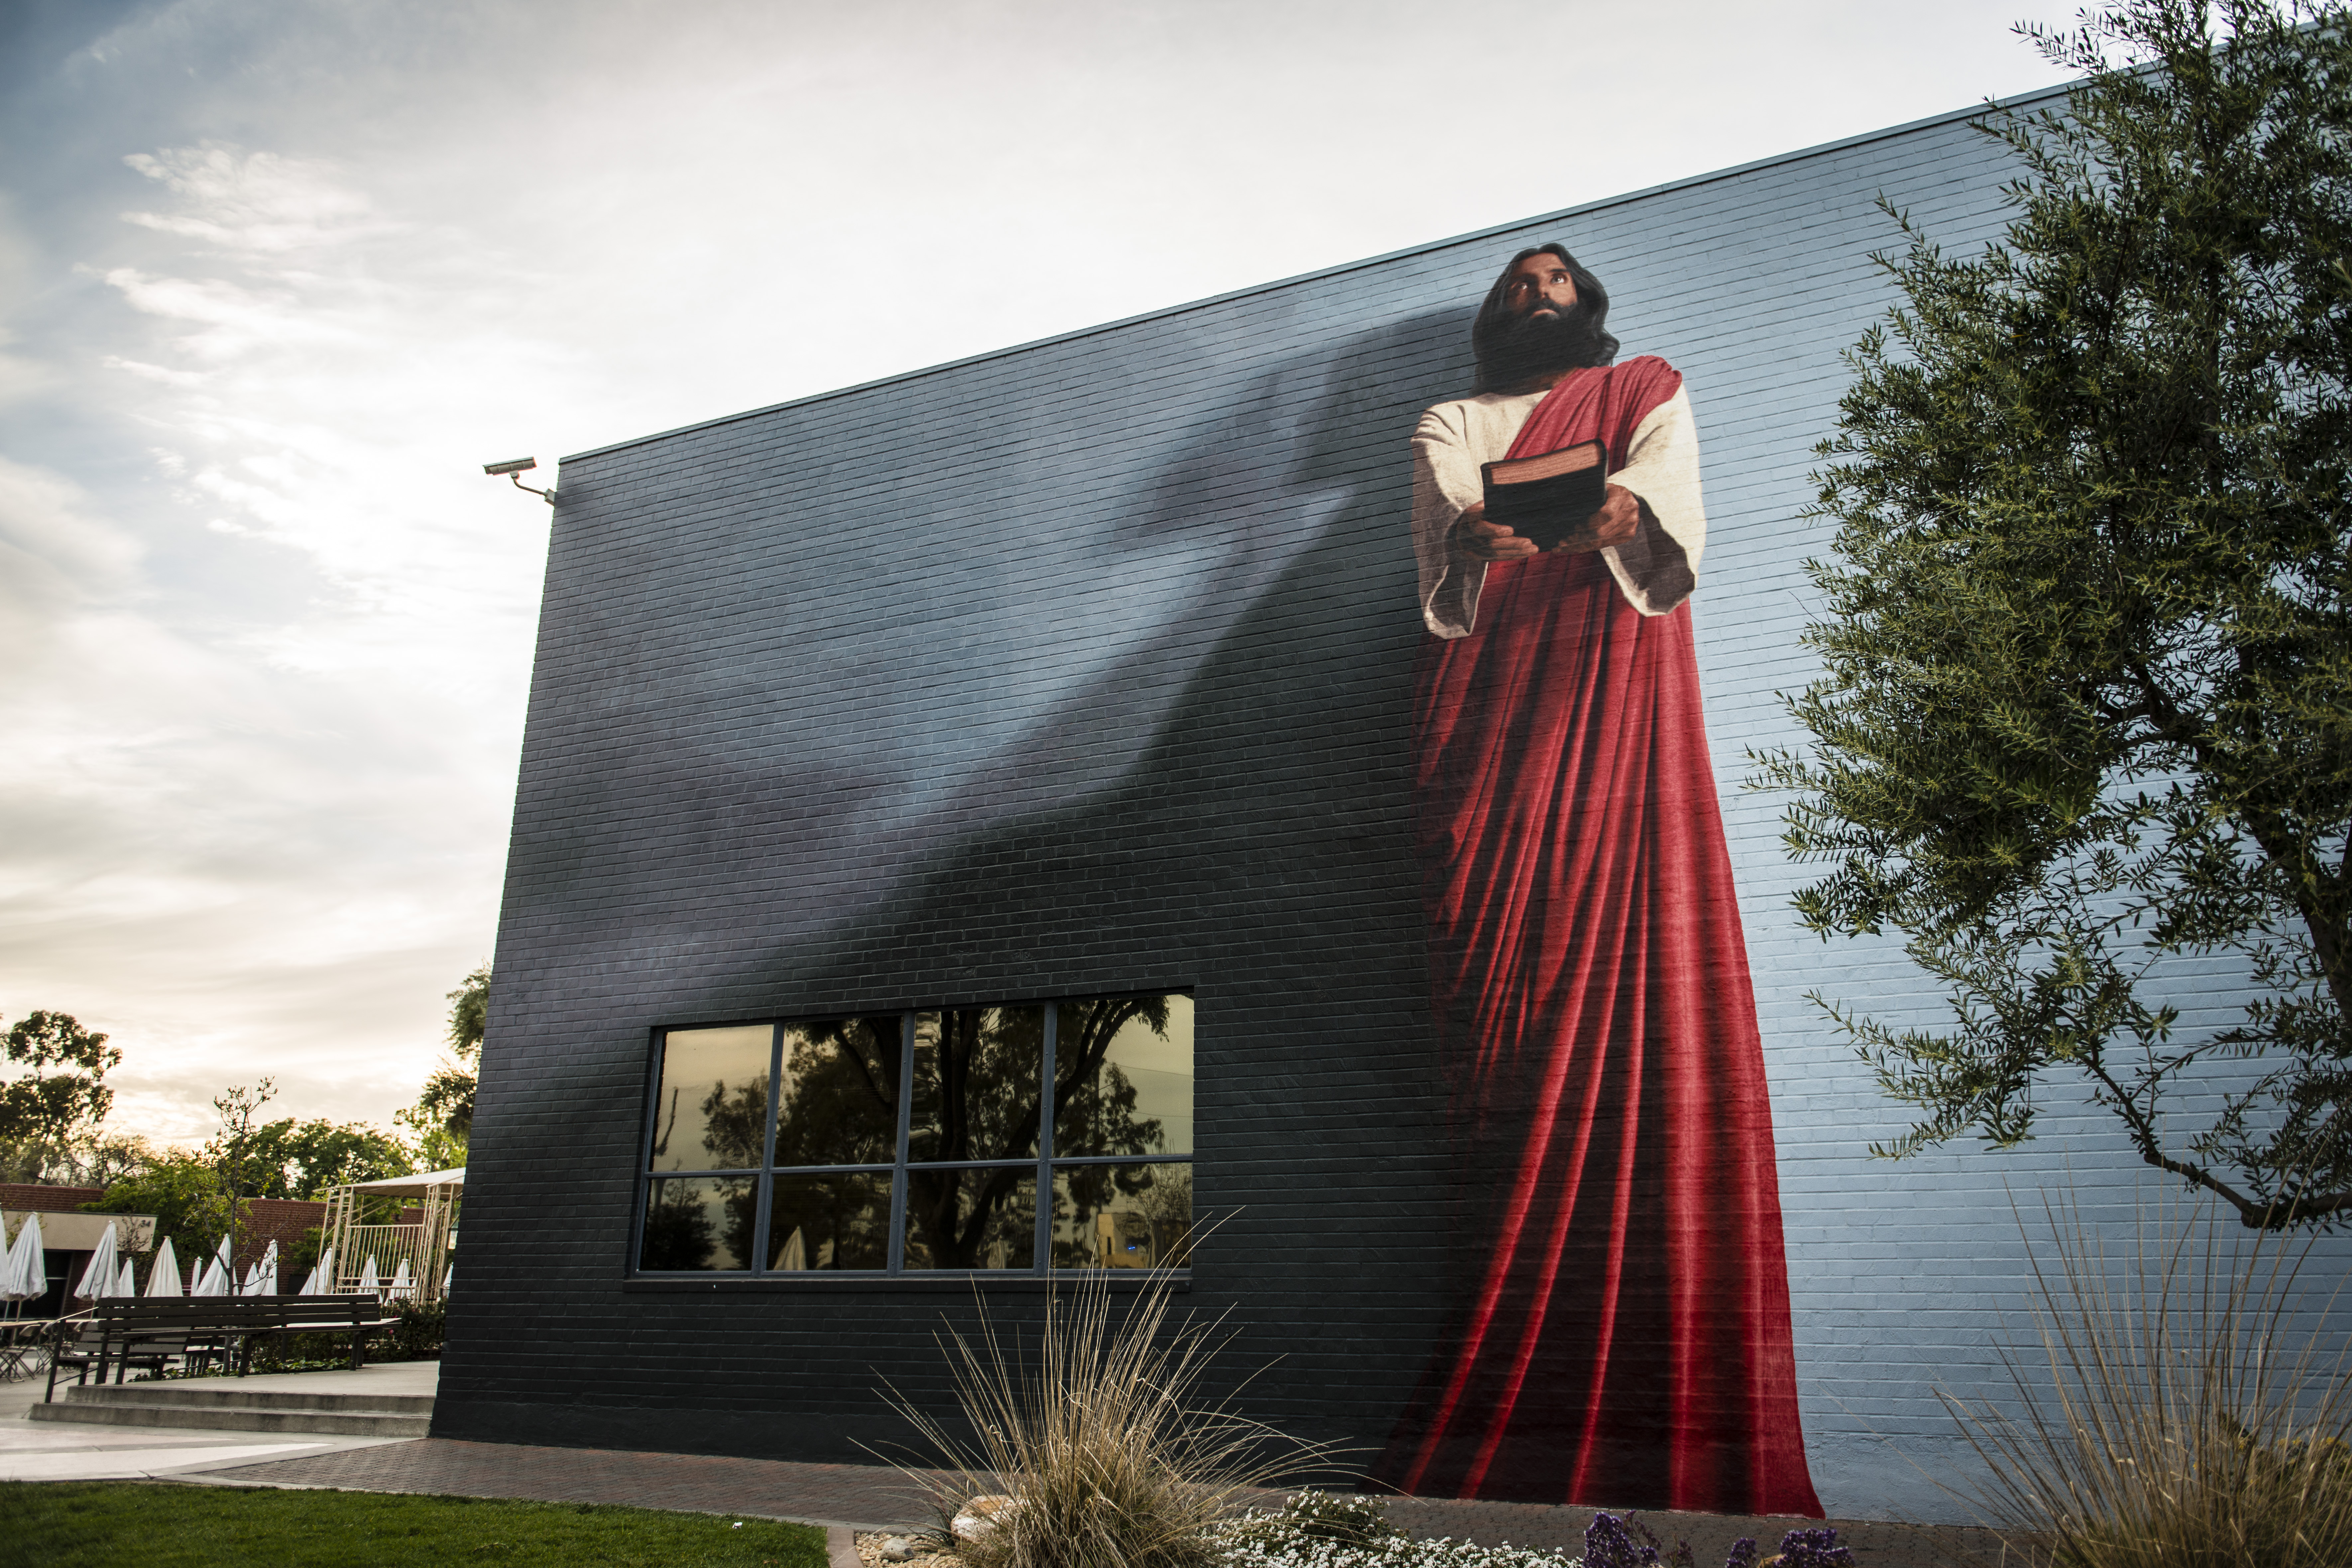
column 1622, row 1335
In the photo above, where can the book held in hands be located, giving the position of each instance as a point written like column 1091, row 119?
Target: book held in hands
column 1550, row 497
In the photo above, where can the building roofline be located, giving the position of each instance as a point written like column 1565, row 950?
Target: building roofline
column 2022, row 100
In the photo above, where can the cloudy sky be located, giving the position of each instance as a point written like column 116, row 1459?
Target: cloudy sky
column 277, row 278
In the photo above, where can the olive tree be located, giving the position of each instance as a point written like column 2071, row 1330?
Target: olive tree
column 2084, row 721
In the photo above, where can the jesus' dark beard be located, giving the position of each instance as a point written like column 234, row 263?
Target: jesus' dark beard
column 1540, row 345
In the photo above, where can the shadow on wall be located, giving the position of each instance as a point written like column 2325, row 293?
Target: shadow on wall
column 1256, row 843
column 1197, row 776
column 1235, row 782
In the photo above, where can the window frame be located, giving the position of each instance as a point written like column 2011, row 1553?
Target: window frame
column 894, row 1270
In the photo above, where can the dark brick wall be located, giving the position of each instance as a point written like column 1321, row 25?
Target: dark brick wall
column 1083, row 667
column 30, row 1198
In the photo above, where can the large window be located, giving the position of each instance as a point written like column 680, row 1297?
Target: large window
column 911, row 1141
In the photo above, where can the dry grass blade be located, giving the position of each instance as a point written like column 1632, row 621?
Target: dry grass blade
column 2189, row 1414
column 1101, row 1436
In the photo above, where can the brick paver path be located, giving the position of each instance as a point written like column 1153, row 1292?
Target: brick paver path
column 874, row 1497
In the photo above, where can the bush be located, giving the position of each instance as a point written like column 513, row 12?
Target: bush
column 417, row 1334
column 1098, row 1437
column 2176, row 1416
column 1328, row 1530
column 1317, row 1530
column 1387, row 1552
column 1318, row 1516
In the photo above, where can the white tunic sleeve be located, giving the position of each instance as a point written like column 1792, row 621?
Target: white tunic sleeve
column 1656, row 569
column 1661, row 467
column 1446, row 482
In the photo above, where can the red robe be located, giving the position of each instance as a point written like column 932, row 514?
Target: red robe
column 1625, row 1335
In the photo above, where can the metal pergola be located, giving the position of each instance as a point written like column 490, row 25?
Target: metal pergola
column 422, row 1245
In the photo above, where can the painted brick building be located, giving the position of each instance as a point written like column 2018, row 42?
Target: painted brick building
column 1084, row 670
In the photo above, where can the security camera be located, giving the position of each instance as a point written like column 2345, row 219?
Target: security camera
column 513, row 467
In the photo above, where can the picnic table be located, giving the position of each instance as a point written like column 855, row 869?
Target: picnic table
column 153, row 1332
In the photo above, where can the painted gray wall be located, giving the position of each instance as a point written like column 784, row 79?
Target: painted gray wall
column 1082, row 666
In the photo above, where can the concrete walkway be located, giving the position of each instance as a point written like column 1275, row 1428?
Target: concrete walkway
column 71, row 1451
column 874, row 1497
column 844, row 1497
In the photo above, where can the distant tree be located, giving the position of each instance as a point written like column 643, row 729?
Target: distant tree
column 113, row 1156
column 2088, row 705
column 183, row 1192
column 60, row 1097
column 235, row 1153
column 304, row 1159
column 443, row 1116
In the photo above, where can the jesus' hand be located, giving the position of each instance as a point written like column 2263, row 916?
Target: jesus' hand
column 1483, row 540
column 1619, row 519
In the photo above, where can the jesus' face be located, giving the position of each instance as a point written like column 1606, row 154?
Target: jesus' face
column 1539, row 286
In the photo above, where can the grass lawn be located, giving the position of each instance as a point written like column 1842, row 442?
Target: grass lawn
column 120, row 1524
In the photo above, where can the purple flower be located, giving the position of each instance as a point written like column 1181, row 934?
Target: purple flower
column 1743, row 1553
column 1627, row 1542
column 1814, row 1549
column 1608, row 1543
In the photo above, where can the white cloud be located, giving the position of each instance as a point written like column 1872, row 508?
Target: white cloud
column 275, row 279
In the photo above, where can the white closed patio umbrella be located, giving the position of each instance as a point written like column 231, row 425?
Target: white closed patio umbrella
column 321, row 1281
column 368, row 1281
column 98, row 1279
column 23, row 1274
column 215, row 1278
column 126, row 1283
column 402, row 1285
column 164, row 1274
column 251, row 1282
column 266, row 1273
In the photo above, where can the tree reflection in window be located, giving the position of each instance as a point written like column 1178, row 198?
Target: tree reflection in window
column 969, row 1173
column 710, row 1104
column 838, row 1096
column 1098, row 1094
column 700, row 1224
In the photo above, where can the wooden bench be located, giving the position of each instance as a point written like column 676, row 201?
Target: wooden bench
column 149, row 1333
column 91, row 1342
column 358, row 1317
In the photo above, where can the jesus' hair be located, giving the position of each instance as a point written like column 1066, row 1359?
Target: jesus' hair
column 1576, row 341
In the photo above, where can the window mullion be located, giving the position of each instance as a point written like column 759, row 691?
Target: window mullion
column 1045, row 1108
column 897, row 1259
column 761, row 1210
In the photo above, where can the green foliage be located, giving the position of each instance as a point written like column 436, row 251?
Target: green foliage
column 61, row 1096
column 199, row 1198
column 2087, row 642
column 417, row 1334
column 443, row 1116
column 183, row 1192
column 469, row 1013
column 236, row 1151
column 106, row 1524
column 305, row 1159
column 96, row 1159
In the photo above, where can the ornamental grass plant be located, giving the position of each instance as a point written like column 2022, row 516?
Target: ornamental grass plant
column 1100, row 1433
column 2189, row 1409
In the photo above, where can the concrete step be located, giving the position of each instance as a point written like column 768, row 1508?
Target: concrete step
column 235, row 1393
column 221, row 1404
column 333, row 1423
